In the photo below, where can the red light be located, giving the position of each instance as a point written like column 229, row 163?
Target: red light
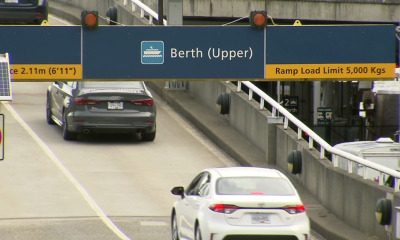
column 149, row 122
column 143, row 102
column 259, row 19
column 306, row 134
column 221, row 208
column 217, row 208
column 294, row 209
column 397, row 66
column 256, row 193
column 81, row 101
column 79, row 121
column 38, row 15
column 90, row 19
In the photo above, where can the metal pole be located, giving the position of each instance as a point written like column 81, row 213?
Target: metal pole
column 348, row 109
column 317, row 100
column 279, row 93
column 161, row 12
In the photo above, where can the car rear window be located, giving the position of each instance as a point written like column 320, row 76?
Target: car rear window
column 254, row 186
column 111, row 84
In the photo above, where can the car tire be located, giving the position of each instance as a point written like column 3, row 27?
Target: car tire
column 174, row 227
column 49, row 113
column 197, row 232
column 67, row 135
column 149, row 137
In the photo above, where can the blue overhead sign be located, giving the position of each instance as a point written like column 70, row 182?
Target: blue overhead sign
column 42, row 53
column 41, row 44
column 173, row 53
column 52, row 53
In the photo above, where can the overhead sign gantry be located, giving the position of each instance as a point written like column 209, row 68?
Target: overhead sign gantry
column 92, row 52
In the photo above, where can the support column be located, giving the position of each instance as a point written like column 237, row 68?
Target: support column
column 317, row 100
column 175, row 18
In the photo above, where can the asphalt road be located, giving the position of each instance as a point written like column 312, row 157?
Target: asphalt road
column 100, row 186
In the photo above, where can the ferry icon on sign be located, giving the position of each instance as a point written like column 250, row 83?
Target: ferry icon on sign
column 152, row 52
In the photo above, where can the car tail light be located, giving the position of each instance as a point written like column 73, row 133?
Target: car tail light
column 294, row 209
column 81, row 101
column 256, row 193
column 143, row 102
column 38, row 15
column 221, row 208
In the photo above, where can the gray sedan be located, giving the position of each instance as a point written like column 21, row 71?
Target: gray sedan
column 24, row 11
column 88, row 107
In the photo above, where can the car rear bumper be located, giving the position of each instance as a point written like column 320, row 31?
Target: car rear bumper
column 123, row 123
column 255, row 233
column 23, row 14
column 221, row 230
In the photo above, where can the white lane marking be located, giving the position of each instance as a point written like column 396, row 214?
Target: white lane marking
column 315, row 236
column 60, row 20
column 199, row 136
column 71, row 177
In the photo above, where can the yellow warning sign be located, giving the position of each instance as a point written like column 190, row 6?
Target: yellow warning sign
column 45, row 71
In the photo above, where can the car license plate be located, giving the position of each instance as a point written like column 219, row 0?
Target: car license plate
column 11, row 1
column 115, row 105
column 261, row 219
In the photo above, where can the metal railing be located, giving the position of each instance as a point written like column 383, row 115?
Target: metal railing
column 144, row 9
column 324, row 146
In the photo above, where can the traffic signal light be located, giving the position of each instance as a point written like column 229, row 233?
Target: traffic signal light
column 90, row 19
column 258, row 19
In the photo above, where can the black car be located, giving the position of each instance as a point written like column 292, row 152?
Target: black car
column 24, row 11
column 102, row 107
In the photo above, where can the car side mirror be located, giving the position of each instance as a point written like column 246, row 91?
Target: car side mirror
column 178, row 191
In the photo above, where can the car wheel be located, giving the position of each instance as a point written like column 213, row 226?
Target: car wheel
column 67, row 135
column 49, row 113
column 197, row 233
column 174, row 227
column 148, row 137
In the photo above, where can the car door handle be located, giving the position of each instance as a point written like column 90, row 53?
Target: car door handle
column 197, row 204
column 187, row 204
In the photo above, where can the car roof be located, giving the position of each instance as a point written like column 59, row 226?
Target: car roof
column 248, row 172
